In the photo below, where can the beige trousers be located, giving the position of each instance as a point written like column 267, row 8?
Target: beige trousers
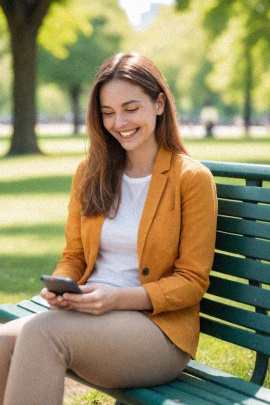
column 117, row 349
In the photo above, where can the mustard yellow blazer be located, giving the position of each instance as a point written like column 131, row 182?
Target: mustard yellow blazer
column 176, row 241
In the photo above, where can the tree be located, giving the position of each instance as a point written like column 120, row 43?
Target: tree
column 77, row 70
column 24, row 19
column 240, row 31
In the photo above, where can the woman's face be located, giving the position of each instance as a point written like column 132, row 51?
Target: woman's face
column 129, row 114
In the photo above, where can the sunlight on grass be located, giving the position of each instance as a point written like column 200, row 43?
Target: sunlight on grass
column 53, row 146
column 32, row 166
column 33, row 209
column 230, row 151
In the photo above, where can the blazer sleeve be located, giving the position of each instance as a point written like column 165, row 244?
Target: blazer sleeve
column 190, row 278
column 73, row 261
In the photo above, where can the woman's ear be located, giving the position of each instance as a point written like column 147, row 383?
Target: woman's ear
column 161, row 103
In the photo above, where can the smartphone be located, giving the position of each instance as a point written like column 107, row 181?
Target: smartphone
column 60, row 285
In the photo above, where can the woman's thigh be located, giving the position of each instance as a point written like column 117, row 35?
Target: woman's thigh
column 117, row 349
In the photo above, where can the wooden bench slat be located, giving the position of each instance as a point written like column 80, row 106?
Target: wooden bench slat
column 40, row 301
column 243, row 193
column 8, row 312
column 32, row 306
column 238, row 336
column 224, row 394
column 244, row 210
column 243, row 227
column 251, row 247
column 182, row 392
column 242, row 267
column 238, row 316
column 238, row 170
column 239, row 292
column 142, row 396
column 223, row 379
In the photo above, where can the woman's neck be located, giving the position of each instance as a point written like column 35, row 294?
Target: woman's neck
column 140, row 164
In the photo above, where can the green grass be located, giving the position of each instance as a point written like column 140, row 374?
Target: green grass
column 92, row 398
column 34, row 194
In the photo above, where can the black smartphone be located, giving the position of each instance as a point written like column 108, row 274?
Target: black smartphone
column 60, row 285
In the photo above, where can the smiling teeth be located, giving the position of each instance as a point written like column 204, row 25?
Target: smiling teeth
column 128, row 133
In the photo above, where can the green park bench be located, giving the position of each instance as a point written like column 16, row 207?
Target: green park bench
column 236, row 306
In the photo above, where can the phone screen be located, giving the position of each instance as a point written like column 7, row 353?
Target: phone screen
column 60, row 285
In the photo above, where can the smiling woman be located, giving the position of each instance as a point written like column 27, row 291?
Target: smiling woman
column 140, row 238
column 132, row 122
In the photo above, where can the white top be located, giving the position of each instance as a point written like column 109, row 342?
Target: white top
column 117, row 262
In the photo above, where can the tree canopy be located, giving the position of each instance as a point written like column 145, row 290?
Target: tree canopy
column 24, row 20
column 240, row 35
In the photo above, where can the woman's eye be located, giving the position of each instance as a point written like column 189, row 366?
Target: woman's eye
column 132, row 109
column 107, row 113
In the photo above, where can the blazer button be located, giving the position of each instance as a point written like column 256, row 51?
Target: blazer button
column 145, row 271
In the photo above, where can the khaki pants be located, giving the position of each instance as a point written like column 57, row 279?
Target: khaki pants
column 117, row 349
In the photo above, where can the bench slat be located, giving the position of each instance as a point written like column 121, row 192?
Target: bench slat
column 226, row 380
column 239, row 292
column 250, row 193
column 238, row 170
column 246, row 246
column 244, row 210
column 32, row 306
column 40, row 301
column 241, row 267
column 8, row 312
column 225, row 395
column 238, row 336
column 243, row 227
column 238, row 316
column 183, row 392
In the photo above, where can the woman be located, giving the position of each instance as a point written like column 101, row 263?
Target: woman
column 140, row 239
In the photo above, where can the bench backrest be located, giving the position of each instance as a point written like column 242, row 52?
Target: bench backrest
column 241, row 269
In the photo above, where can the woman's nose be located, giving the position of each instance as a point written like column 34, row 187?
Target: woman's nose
column 120, row 121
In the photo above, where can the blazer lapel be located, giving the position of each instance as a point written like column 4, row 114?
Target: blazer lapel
column 156, row 187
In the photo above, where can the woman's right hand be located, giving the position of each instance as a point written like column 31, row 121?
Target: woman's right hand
column 55, row 301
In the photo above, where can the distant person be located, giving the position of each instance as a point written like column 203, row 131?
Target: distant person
column 140, row 239
column 209, row 118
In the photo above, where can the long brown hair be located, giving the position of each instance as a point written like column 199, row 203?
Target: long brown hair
column 101, row 182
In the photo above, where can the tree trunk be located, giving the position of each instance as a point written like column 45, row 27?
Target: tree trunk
column 248, row 87
column 24, row 139
column 75, row 96
column 24, row 19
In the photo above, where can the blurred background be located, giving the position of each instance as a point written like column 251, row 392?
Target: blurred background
column 214, row 55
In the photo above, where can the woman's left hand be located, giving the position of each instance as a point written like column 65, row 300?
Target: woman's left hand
column 96, row 299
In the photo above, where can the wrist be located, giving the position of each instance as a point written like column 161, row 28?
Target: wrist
column 133, row 298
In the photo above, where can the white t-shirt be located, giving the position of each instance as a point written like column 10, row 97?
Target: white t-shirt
column 117, row 262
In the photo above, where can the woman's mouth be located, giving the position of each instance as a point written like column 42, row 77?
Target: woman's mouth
column 126, row 134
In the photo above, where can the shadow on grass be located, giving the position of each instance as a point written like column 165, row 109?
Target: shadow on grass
column 22, row 273
column 47, row 184
column 41, row 230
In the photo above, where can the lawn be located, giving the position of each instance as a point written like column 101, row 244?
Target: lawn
column 34, row 194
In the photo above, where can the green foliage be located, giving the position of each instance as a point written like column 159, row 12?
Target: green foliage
column 5, row 81
column 239, row 53
column 84, row 57
column 62, row 24
column 3, row 24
